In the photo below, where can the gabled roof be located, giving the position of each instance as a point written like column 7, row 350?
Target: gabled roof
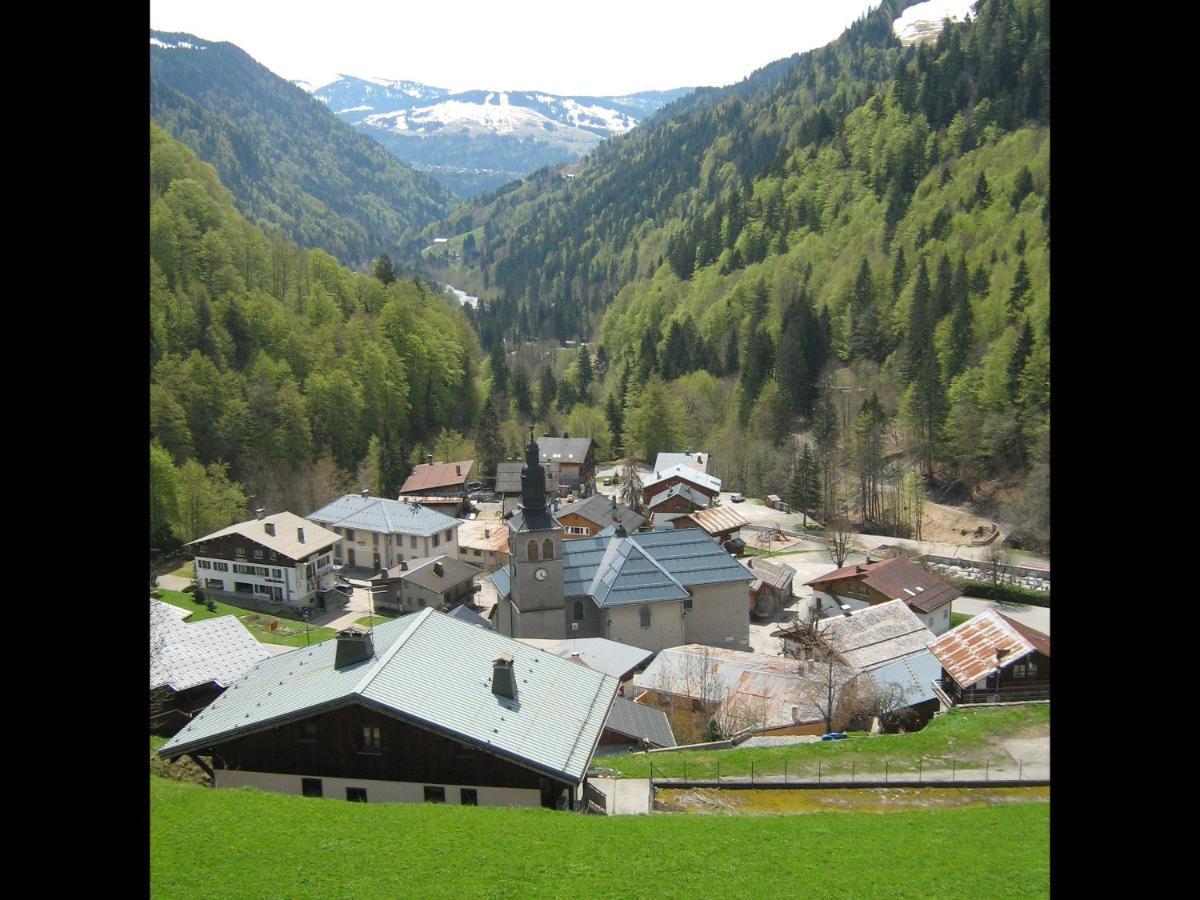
column 698, row 461
column 435, row 672
column 627, row 574
column 184, row 656
column 286, row 539
column 469, row 616
column 563, row 449
column 429, row 476
column 610, row 657
column 701, row 479
column 691, row 556
column 1041, row 642
column 718, row 519
column 382, row 515
column 898, row 579
column 777, row 575
column 483, row 534
column 422, row 572
column 508, row 477
column 914, row 674
column 969, row 652
column 682, row 489
column 642, row 723
column 599, row 510
column 876, row 635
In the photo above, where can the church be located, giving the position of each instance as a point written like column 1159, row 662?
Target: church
column 653, row 589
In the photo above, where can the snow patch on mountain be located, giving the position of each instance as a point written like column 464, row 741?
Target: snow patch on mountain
column 182, row 45
column 924, row 20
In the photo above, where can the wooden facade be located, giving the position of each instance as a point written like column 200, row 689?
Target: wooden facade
column 283, row 580
column 649, row 493
column 171, row 710
column 1026, row 679
column 342, row 743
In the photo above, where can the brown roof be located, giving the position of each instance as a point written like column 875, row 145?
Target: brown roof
column 897, row 579
column 484, row 534
column 778, row 575
column 435, row 475
column 1041, row 642
column 718, row 519
column 969, row 652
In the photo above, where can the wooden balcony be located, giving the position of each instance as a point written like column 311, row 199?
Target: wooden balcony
column 1013, row 693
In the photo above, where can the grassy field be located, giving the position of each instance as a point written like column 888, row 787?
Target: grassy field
column 368, row 621
column 967, row 736
column 246, row 843
column 187, row 570
column 957, row 619
column 288, row 632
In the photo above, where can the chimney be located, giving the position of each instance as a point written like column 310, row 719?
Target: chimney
column 366, row 493
column 868, row 562
column 504, row 678
column 487, row 532
column 259, row 513
column 300, row 535
column 699, row 459
column 429, row 459
column 269, row 527
column 403, row 566
column 354, row 645
column 458, row 470
column 438, row 569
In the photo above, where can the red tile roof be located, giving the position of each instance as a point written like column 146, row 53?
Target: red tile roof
column 436, row 475
column 969, row 652
column 897, row 579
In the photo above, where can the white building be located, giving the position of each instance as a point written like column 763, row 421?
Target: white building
column 378, row 534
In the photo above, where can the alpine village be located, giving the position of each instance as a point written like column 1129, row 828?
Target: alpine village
column 573, row 532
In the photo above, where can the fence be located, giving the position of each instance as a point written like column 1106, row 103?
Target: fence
column 939, row 772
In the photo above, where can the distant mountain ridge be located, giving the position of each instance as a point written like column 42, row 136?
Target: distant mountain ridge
column 287, row 160
column 478, row 140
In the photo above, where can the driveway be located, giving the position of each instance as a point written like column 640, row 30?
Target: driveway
column 172, row 582
column 1036, row 617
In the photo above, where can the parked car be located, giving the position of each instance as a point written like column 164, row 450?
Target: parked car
column 737, row 498
column 483, row 496
column 607, row 481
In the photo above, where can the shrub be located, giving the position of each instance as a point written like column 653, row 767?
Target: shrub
column 211, row 605
column 1002, row 593
column 156, row 594
column 198, row 594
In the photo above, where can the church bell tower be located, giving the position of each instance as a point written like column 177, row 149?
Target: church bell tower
column 535, row 557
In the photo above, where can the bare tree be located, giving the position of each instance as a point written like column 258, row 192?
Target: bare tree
column 839, row 546
column 996, row 560
column 834, row 688
column 888, row 703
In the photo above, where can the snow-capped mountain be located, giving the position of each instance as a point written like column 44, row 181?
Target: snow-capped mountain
column 478, row 140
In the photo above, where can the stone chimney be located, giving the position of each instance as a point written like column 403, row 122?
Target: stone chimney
column 260, row 513
column 354, row 645
column 504, row 677
column 403, row 566
column 438, row 569
column 429, row 459
column 366, row 493
column 458, row 470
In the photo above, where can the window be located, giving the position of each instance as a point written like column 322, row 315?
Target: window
column 375, row 538
column 371, row 738
column 387, row 540
column 645, row 614
column 531, row 551
column 469, row 797
column 349, row 534
column 204, row 563
column 436, row 539
column 435, row 794
column 356, row 795
column 258, row 553
column 311, row 787
column 217, row 584
column 221, row 567
column 547, row 549
column 476, row 551
column 277, row 573
column 687, row 602
column 449, row 534
column 308, row 731
column 578, row 610
column 577, row 529
column 412, row 539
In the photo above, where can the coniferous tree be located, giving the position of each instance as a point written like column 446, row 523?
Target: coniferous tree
column 547, row 391
column 1018, row 296
column 522, row 395
column 499, row 364
column 899, row 273
column 383, row 269
column 585, row 370
column 804, row 492
column 489, row 446
column 917, row 338
column 961, row 336
column 1016, row 361
column 863, row 331
column 825, row 434
column 1023, row 187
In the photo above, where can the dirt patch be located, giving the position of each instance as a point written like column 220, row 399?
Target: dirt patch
column 883, row 800
column 946, row 524
column 182, row 770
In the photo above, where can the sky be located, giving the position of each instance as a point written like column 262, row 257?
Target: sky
column 616, row 47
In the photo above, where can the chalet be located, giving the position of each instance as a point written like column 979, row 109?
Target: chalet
column 280, row 558
column 483, row 542
column 991, row 658
column 635, row 726
column 679, row 499
column 576, row 458
column 721, row 523
column 587, row 518
column 771, row 589
column 438, row 479
column 650, row 589
column 421, row 708
column 508, row 483
column 190, row 665
column 697, row 461
column 378, row 533
column 440, row 581
column 665, row 479
column 870, row 583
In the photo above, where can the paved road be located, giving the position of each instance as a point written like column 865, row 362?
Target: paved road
column 1037, row 617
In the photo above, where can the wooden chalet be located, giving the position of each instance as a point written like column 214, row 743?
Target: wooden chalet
column 991, row 658
column 871, row 583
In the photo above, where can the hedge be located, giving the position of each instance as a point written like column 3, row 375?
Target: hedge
column 1004, row 593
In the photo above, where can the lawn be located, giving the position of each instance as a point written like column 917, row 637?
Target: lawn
column 368, row 621
column 247, row 843
column 187, row 570
column 288, row 632
column 967, row 736
column 957, row 619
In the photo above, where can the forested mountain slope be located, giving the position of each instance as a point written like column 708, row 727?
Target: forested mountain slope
column 287, row 159
column 276, row 369
column 860, row 252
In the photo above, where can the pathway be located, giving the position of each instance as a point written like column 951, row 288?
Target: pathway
column 172, row 582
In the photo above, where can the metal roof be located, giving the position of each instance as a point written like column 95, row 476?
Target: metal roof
column 877, row 634
column 382, row 515
column 1040, row 641
column 428, row 476
column 286, row 539
column 683, row 489
column 915, row 674
column 610, row 657
column 483, row 534
column 628, row 575
column 421, row 572
column 644, row 723
column 502, row 581
column 695, row 476
column 691, row 556
column 778, row 575
column 898, row 579
column 667, row 460
column 183, row 656
column 600, row 509
column 969, row 652
column 718, row 519
column 508, row 477
column 468, row 615
column 433, row 671
column 563, row 449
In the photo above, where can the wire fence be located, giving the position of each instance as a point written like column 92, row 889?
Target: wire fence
column 835, row 773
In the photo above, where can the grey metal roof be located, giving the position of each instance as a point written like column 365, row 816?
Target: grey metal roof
column 382, row 515
column 526, row 520
column 610, row 657
column 645, row 723
column 877, row 635
column 599, row 509
column 501, row 580
column 681, row 489
column 691, row 556
column 183, row 656
column 563, row 450
column 421, row 572
column 667, row 460
column 915, row 674
column 508, row 477
column 627, row 574
column 468, row 615
column 434, row 671
column 695, row 476
column 286, row 539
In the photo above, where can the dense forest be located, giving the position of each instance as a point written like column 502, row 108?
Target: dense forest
column 844, row 260
column 276, row 373
column 287, row 159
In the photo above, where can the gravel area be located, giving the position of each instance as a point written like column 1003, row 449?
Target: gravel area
column 782, row 741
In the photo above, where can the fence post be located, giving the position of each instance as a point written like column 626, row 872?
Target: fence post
column 785, row 771
column 885, row 768
column 818, row 771
column 953, row 766
column 685, row 770
column 718, row 771
column 1020, row 769
column 920, row 769
column 987, row 769
column 752, row 771
column 852, row 771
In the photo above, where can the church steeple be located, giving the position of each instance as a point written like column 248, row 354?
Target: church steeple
column 533, row 479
